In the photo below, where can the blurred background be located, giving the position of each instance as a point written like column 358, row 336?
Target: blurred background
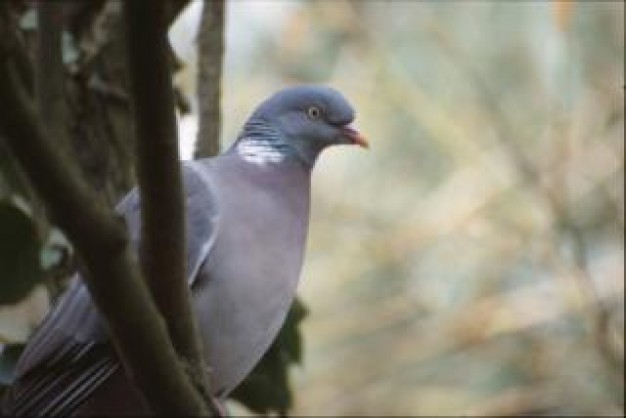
column 472, row 261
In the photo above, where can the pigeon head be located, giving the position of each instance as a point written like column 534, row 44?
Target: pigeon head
column 302, row 121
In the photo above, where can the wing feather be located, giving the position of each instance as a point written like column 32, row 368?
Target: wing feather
column 69, row 356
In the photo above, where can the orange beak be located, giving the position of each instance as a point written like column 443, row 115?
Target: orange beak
column 354, row 136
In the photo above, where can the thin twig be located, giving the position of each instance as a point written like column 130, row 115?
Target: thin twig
column 210, row 57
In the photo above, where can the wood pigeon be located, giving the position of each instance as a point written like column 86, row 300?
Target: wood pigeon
column 247, row 214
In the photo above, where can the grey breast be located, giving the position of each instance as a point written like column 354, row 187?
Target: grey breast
column 248, row 281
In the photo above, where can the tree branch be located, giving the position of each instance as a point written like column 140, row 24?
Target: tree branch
column 210, row 58
column 158, row 172
column 49, row 71
column 101, row 241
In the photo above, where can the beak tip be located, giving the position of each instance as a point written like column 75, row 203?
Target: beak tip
column 355, row 137
column 362, row 143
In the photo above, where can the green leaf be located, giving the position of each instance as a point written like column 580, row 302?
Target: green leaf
column 20, row 269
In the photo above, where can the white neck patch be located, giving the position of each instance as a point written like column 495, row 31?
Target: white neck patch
column 259, row 151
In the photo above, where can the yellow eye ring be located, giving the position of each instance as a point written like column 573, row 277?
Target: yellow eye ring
column 314, row 112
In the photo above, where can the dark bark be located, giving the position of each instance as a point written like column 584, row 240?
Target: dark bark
column 158, row 170
column 101, row 241
column 100, row 117
column 210, row 62
column 99, row 112
column 49, row 74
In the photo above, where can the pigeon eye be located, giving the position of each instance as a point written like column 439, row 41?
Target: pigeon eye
column 314, row 112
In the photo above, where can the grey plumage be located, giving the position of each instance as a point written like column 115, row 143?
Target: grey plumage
column 246, row 225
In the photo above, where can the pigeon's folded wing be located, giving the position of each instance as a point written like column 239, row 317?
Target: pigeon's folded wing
column 69, row 356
